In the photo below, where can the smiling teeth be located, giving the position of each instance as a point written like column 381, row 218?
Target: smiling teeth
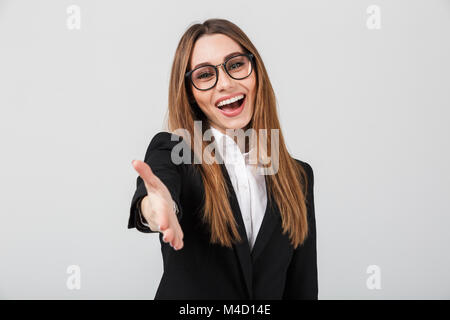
column 228, row 101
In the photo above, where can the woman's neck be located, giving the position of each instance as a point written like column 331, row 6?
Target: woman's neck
column 235, row 138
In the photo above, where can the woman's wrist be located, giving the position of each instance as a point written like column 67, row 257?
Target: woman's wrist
column 139, row 212
column 175, row 208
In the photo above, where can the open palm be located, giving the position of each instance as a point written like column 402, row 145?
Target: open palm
column 157, row 206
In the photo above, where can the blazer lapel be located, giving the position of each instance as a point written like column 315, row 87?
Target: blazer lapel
column 272, row 218
column 242, row 248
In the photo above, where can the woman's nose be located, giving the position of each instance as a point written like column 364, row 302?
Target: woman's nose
column 224, row 80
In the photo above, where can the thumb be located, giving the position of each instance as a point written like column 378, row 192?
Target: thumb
column 147, row 175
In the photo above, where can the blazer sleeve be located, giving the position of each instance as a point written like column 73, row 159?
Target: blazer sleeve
column 301, row 281
column 158, row 157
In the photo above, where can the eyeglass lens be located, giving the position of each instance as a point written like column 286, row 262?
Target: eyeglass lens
column 238, row 67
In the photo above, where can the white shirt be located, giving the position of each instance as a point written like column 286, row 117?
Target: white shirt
column 249, row 186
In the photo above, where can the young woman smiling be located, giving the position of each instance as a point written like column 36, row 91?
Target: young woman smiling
column 226, row 232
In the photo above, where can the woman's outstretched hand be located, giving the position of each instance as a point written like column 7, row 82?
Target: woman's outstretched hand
column 157, row 206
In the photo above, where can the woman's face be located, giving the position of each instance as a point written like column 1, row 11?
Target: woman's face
column 213, row 49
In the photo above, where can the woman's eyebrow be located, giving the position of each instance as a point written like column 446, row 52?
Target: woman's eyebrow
column 225, row 58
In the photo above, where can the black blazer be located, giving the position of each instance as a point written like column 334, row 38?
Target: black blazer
column 201, row 270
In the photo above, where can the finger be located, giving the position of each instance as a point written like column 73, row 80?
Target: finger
column 163, row 223
column 145, row 172
column 179, row 237
column 176, row 242
column 179, row 244
column 168, row 235
column 181, row 234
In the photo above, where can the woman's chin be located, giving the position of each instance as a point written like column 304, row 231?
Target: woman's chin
column 234, row 124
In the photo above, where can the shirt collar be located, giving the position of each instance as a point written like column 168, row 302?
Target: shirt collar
column 230, row 145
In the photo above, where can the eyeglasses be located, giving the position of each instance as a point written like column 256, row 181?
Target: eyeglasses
column 238, row 67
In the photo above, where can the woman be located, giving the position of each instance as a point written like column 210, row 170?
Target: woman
column 226, row 230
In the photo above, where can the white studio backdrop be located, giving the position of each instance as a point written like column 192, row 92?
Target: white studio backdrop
column 363, row 91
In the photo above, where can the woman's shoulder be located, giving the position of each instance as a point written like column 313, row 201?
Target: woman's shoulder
column 169, row 147
column 164, row 140
column 310, row 181
column 307, row 167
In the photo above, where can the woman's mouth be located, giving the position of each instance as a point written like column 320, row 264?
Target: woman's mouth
column 233, row 108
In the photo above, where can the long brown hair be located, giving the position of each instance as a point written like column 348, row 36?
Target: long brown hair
column 288, row 186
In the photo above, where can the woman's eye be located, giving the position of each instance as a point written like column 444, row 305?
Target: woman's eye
column 236, row 65
column 204, row 75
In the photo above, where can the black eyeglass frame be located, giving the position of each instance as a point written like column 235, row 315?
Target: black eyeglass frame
column 249, row 55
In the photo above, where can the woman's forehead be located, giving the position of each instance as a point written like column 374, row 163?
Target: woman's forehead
column 213, row 49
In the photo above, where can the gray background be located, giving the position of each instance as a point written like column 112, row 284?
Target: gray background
column 368, row 109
